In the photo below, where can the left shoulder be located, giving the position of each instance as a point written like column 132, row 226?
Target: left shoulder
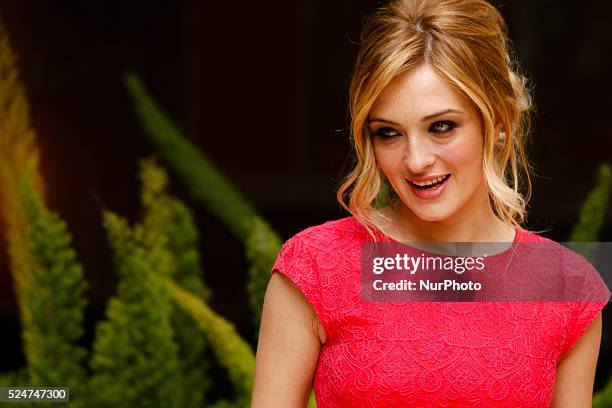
column 570, row 263
column 523, row 235
column 547, row 249
column 550, row 251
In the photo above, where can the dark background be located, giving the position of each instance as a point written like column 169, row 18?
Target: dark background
column 261, row 87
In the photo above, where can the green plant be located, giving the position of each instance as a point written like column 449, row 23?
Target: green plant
column 234, row 354
column 54, row 298
column 594, row 208
column 170, row 216
column 214, row 191
column 135, row 361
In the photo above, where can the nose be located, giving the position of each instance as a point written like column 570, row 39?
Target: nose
column 419, row 155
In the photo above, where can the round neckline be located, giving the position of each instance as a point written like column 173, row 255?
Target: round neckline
column 518, row 235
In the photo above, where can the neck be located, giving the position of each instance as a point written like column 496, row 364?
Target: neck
column 474, row 225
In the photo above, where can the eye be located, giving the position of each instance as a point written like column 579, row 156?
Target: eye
column 386, row 133
column 442, row 126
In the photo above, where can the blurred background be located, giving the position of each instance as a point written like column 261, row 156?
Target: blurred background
column 261, row 88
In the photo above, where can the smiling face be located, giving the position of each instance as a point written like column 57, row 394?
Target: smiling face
column 428, row 141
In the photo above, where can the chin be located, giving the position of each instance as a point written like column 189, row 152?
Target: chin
column 432, row 216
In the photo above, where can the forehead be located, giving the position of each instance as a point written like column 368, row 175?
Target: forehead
column 418, row 93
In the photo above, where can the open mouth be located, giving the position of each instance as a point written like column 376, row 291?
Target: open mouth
column 429, row 184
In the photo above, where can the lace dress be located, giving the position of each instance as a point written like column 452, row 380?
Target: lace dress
column 424, row 354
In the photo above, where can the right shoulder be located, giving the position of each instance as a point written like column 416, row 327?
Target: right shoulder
column 330, row 233
column 313, row 252
column 298, row 252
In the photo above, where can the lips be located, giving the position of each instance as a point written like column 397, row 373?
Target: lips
column 429, row 182
column 429, row 188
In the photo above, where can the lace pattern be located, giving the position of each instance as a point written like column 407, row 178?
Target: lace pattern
column 432, row 354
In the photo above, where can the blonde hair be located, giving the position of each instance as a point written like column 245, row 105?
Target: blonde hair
column 465, row 41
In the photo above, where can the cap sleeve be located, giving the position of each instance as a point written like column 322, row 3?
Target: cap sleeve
column 295, row 261
column 591, row 295
column 582, row 315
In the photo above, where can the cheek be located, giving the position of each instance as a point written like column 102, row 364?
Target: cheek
column 386, row 159
column 465, row 158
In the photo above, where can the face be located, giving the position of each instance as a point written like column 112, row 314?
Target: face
column 428, row 141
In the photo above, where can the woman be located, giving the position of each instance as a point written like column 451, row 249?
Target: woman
column 439, row 119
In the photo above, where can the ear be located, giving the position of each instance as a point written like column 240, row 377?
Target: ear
column 497, row 132
column 500, row 135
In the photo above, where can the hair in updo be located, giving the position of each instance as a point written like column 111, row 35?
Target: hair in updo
column 465, row 41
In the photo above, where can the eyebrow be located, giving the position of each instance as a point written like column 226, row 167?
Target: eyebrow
column 425, row 118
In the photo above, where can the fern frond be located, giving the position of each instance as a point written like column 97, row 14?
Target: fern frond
column 230, row 350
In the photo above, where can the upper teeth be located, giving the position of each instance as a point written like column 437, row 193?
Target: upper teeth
column 428, row 182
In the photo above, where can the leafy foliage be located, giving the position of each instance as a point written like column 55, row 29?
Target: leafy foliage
column 229, row 348
column 135, row 361
column 172, row 218
column 207, row 184
column 202, row 178
column 263, row 246
column 17, row 149
column 594, row 208
column 54, row 299
column 603, row 399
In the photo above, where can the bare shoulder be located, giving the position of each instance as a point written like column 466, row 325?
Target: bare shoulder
column 288, row 347
column 297, row 286
column 284, row 297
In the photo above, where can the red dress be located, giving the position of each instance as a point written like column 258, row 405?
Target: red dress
column 424, row 354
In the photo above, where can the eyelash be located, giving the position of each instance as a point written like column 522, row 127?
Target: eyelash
column 450, row 126
column 388, row 133
column 383, row 133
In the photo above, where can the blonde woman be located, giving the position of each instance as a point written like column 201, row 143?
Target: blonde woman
column 439, row 118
